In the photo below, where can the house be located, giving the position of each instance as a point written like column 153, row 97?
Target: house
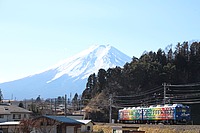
column 10, row 117
column 56, row 124
column 87, row 126
column 13, row 113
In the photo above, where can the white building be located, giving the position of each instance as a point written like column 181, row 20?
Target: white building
column 87, row 126
column 13, row 113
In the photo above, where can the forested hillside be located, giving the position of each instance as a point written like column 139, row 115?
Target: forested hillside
column 172, row 66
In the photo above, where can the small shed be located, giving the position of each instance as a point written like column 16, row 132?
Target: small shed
column 87, row 127
column 56, row 124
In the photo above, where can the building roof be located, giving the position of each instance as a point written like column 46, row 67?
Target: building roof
column 76, row 117
column 7, row 109
column 9, row 123
column 85, row 121
column 64, row 119
column 4, row 110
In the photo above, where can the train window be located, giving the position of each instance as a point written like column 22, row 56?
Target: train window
column 153, row 112
column 168, row 111
column 158, row 112
column 162, row 111
column 183, row 110
column 149, row 112
column 178, row 110
column 171, row 111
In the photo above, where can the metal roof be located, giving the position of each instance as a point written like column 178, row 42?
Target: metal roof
column 63, row 119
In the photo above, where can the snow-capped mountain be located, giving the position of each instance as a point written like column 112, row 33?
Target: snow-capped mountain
column 69, row 76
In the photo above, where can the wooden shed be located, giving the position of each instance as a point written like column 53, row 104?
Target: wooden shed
column 56, row 124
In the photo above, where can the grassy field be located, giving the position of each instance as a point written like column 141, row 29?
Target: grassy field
column 106, row 128
column 101, row 128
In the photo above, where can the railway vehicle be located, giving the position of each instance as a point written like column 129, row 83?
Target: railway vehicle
column 169, row 113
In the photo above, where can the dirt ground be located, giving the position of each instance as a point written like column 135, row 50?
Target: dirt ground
column 107, row 128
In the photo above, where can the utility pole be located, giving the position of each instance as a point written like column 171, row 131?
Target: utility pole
column 65, row 105
column 110, row 114
column 25, row 104
column 1, row 96
column 55, row 106
column 51, row 106
column 32, row 104
column 164, row 98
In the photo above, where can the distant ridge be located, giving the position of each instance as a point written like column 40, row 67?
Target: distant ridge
column 69, row 76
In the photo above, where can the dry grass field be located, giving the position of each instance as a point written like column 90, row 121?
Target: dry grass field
column 170, row 128
column 106, row 128
column 101, row 127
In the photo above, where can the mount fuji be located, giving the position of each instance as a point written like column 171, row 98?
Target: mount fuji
column 67, row 77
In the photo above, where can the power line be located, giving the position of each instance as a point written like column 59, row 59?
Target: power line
column 185, row 85
column 143, row 93
column 185, row 94
column 150, row 98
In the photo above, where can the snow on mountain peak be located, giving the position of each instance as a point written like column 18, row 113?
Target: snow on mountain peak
column 67, row 77
column 90, row 61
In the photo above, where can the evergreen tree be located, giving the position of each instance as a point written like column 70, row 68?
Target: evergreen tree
column 75, row 101
column 21, row 104
column 101, row 80
column 38, row 99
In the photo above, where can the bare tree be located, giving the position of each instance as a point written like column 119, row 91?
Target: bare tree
column 44, row 125
column 26, row 126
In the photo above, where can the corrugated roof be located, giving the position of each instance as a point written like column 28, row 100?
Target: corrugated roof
column 64, row 119
column 76, row 117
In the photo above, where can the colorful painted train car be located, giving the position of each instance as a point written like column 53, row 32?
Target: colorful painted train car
column 170, row 113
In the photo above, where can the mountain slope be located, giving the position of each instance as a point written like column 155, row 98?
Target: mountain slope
column 69, row 76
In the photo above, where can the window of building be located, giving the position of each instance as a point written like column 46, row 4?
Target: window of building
column 19, row 116
column 5, row 108
column 15, row 116
column 88, row 128
column 1, row 116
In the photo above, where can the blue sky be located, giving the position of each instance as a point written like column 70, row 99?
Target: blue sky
column 37, row 34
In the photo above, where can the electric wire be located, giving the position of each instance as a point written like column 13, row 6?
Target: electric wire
column 185, row 94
